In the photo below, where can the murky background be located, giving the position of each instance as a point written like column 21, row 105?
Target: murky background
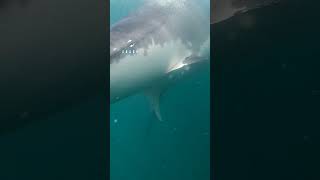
column 52, row 96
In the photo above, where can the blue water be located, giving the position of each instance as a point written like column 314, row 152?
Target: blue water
column 142, row 147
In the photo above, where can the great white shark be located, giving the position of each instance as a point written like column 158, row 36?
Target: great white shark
column 162, row 42
column 155, row 46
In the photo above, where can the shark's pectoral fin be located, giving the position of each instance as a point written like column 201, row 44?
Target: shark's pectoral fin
column 155, row 92
column 154, row 95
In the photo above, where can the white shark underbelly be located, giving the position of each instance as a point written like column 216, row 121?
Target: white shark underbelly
column 138, row 71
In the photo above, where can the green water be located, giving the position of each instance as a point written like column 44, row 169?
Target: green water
column 143, row 148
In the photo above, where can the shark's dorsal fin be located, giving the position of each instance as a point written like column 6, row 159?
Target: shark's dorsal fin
column 154, row 95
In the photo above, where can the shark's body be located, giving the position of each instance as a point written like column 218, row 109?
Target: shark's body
column 148, row 47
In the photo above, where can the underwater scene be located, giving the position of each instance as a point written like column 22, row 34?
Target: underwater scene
column 160, row 89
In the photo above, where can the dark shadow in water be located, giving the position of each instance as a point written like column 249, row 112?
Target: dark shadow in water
column 7, row 3
column 265, row 103
column 50, row 59
column 52, row 66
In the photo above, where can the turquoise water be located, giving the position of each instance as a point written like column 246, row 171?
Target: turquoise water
column 142, row 147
